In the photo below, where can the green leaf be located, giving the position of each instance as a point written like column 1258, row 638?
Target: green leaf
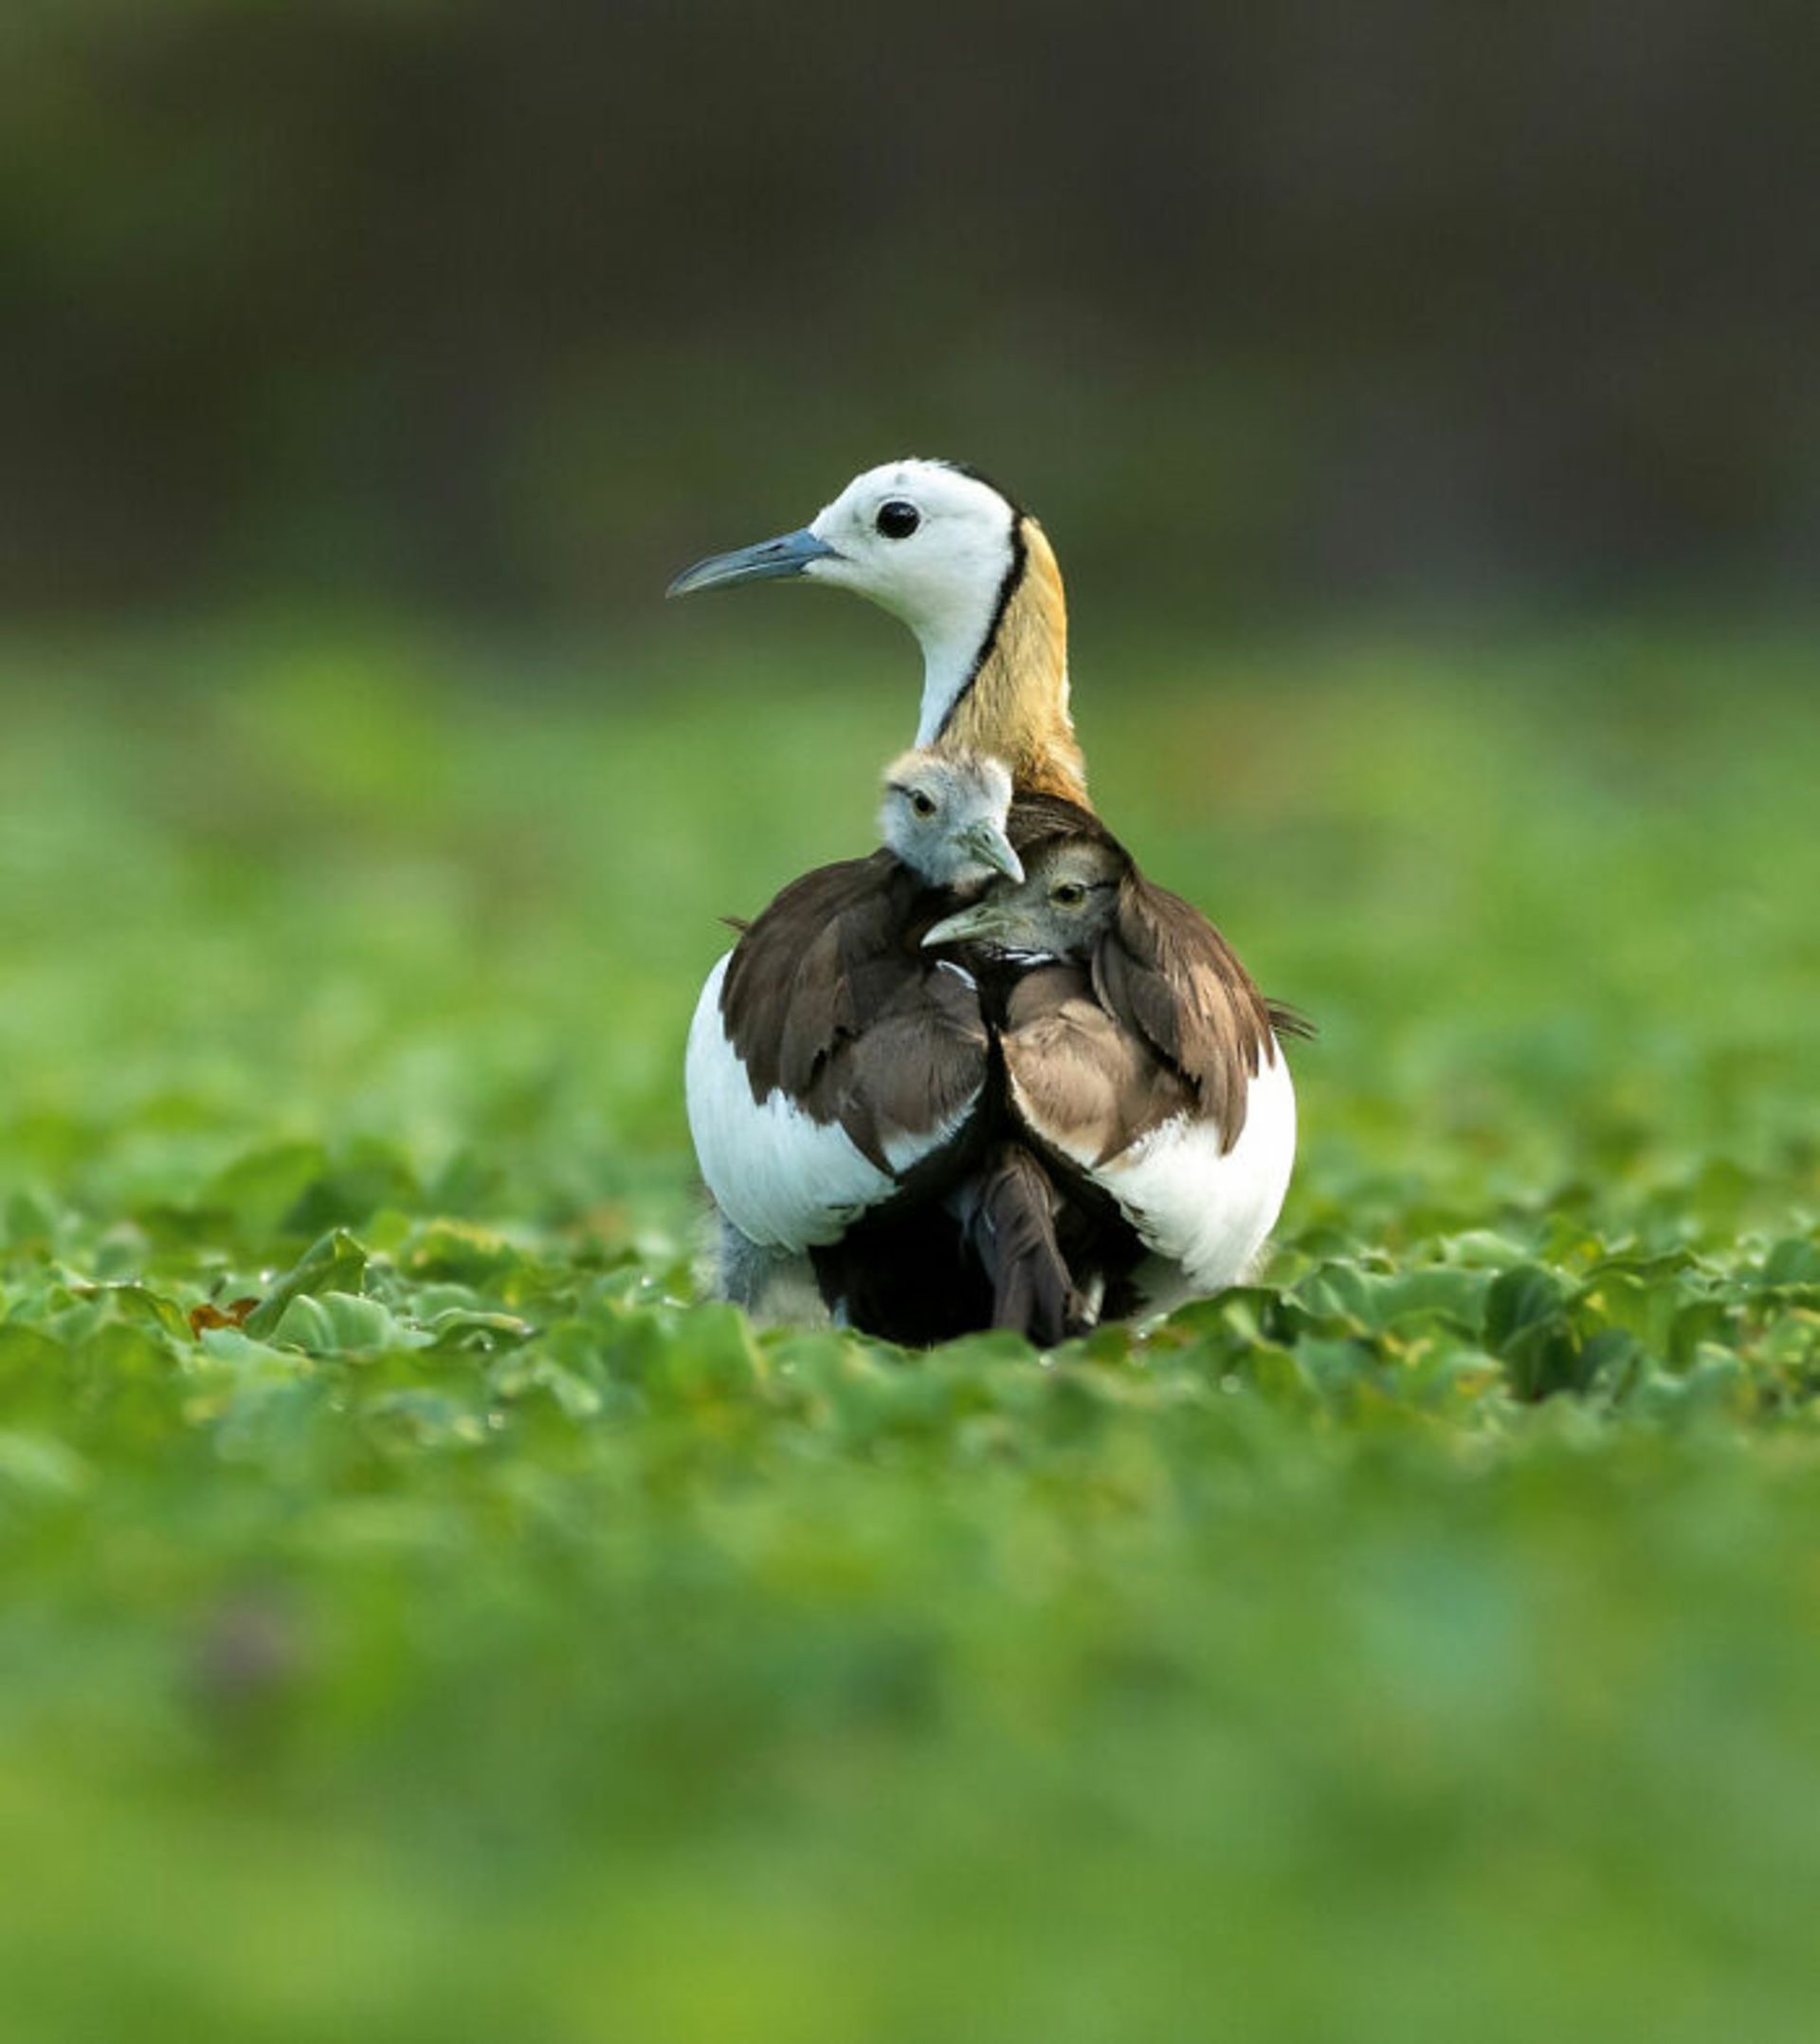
column 340, row 1323
column 712, row 1356
column 1518, row 1303
column 335, row 1263
column 1793, row 1261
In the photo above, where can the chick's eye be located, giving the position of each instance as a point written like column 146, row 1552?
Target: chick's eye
column 1069, row 894
column 924, row 805
column 898, row 519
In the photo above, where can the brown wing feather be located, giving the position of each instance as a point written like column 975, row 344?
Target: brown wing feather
column 1166, row 971
column 1085, row 1080
column 915, row 1065
column 827, row 996
column 782, row 999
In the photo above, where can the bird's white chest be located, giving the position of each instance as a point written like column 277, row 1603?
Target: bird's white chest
column 1205, row 1212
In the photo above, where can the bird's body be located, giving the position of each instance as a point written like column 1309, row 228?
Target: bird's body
column 1142, row 1074
column 838, row 1075
column 1079, row 1080
column 1139, row 1056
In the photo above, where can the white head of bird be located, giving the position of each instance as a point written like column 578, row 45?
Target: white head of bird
column 943, row 816
column 1066, row 900
column 974, row 577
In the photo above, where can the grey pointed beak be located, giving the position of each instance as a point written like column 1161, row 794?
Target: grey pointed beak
column 977, row 921
column 990, row 847
column 768, row 561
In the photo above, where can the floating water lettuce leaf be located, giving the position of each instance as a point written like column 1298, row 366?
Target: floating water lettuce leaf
column 335, row 1263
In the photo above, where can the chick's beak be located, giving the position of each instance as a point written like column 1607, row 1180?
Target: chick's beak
column 990, row 847
column 981, row 920
column 770, row 560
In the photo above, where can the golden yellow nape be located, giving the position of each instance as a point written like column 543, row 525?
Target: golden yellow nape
column 1016, row 706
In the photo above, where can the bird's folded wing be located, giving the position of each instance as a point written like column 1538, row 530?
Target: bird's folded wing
column 904, row 1087
column 789, row 993
column 1099, row 1090
column 1167, row 974
column 1081, row 1079
column 828, row 1056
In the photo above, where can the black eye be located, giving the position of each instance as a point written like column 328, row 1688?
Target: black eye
column 898, row 519
column 1071, row 894
column 924, row 805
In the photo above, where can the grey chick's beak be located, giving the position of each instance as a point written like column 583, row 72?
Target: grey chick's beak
column 987, row 843
column 981, row 920
column 768, row 561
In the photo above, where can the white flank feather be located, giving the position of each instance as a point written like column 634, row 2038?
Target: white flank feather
column 784, row 1181
column 1207, row 1213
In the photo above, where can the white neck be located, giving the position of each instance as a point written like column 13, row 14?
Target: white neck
column 951, row 652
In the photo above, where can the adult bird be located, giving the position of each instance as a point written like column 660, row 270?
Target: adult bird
column 974, row 576
column 1139, row 1059
column 838, row 1076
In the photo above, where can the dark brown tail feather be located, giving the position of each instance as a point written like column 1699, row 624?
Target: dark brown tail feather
column 1008, row 1215
column 1288, row 1021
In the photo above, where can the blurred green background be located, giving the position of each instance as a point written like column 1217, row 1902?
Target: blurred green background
column 479, row 1637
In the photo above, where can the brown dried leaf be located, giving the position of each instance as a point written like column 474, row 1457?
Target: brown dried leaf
column 210, row 1315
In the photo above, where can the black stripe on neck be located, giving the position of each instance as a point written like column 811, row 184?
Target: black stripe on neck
column 1008, row 588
